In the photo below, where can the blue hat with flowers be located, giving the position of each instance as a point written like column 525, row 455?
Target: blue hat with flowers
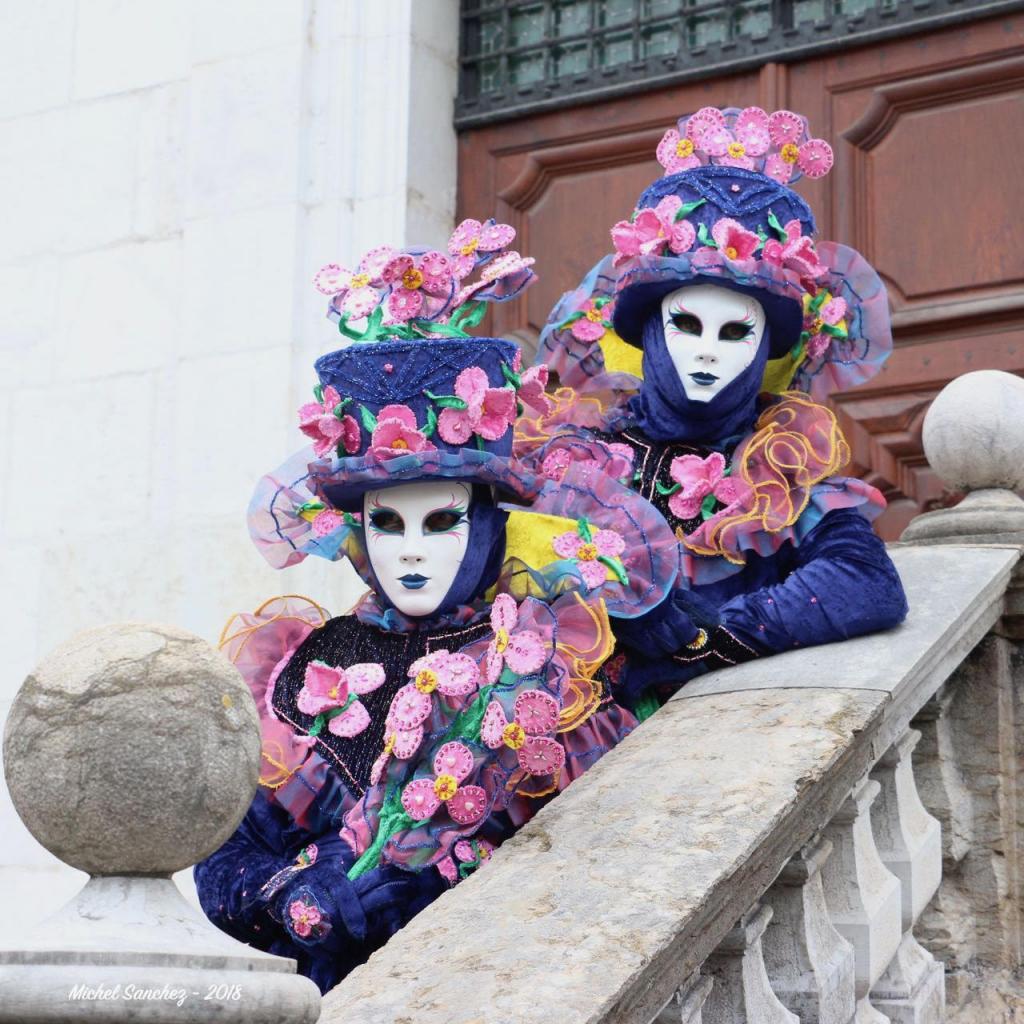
column 724, row 213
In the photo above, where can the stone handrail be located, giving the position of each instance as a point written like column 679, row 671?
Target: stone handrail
column 759, row 850
column 614, row 894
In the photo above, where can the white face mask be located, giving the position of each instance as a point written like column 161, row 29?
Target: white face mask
column 712, row 335
column 416, row 538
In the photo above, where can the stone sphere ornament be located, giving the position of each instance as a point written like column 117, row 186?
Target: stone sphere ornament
column 132, row 749
column 974, row 431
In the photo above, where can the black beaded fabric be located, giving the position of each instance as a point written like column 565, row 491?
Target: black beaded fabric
column 651, row 463
column 720, row 649
column 346, row 641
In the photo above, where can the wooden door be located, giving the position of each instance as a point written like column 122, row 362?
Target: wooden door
column 929, row 138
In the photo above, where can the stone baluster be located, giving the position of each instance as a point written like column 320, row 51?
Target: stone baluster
column 811, row 966
column 132, row 752
column 863, row 896
column 909, row 842
column 973, row 435
column 742, row 993
column 686, row 1005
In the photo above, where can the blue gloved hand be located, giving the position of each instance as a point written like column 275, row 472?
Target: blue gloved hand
column 668, row 627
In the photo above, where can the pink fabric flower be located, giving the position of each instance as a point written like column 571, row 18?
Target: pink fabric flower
column 619, row 464
column 523, row 652
column 472, row 237
column 796, row 252
column 304, row 917
column 596, row 320
column 452, row 764
column 503, row 277
column 651, row 230
column 328, row 430
column 355, row 293
column 832, row 313
column 814, row 157
column 422, row 285
column 676, row 152
column 697, row 478
column 326, row 688
column 530, row 734
column 476, row 853
column 453, row 675
column 533, row 383
column 327, row 522
column 748, row 138
column 396, row 434
column 489, row 412
column 734, row 241
column 602, row 543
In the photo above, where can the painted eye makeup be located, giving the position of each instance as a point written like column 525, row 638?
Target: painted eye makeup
column 443, row 520
column 735, row 330
column 386, row 520
column 686, row 322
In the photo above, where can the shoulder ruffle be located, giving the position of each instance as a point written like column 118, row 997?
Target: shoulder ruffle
column 259, row 645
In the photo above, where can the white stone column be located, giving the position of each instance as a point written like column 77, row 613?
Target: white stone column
column 909, row 841
column 742, row 993
column 686, row 1005
column 810, row 965
column 863, row 896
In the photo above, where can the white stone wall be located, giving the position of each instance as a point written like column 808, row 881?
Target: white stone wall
column 172, row 173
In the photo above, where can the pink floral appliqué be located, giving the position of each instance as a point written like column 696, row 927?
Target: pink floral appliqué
column 453, row 763
column 824, row 319
column 696, row 478
column 471, row 854
column 651, row 230
column 453, row 675
column 415, row 281
column 619, row 465
column 327, row 689
column 471, row 237
column 530, row 733
column 795, row 253
column 734, row 241
column 522, row 651
column 396, row 434
column 533, row 383
column 329, row 428
column 488, row 412
column 355, row 293
column 305, row 918
column 592, row 550
column 677, row 152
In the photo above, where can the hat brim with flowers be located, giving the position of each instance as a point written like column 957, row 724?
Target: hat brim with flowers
column 724, row 214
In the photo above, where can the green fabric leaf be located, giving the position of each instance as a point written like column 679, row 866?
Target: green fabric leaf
column 616, row 567
column 511, row 376
column 570, row 320
column 392, row 819
column 666, row 491
column 776, row 226
column 369, row 420
column 431, row 426
column 318, row 393
column 583, row 529
column 707, row 506
column 446, row 401
column 645, row 706
column 705, row 237
column 339, row 409
column 687, row 208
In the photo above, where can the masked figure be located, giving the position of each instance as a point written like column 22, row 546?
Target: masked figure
column 402, row 743
column 691, row 356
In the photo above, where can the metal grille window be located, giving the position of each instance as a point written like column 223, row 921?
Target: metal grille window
column 521, row 56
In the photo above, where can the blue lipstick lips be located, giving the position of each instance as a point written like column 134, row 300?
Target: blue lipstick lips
column 413, row 581
column 703, row 378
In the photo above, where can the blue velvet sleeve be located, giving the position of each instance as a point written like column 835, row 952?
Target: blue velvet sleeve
column 842, row 584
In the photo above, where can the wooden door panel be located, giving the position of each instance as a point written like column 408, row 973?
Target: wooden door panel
column 929, row 140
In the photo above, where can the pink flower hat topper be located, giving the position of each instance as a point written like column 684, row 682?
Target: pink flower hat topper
column 596, row 553
column 824, row 319
column 424, row 294
column 451, row 675
column 699, row 484
column 592, row 320
column 530, row 734
column 520, row 652
column 453, row 763
column 777, row 144
column 332, row 695
column 470, row 855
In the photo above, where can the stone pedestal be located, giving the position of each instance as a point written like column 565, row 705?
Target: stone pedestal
column 742, row 993
column 810, row 965
column 131, row 752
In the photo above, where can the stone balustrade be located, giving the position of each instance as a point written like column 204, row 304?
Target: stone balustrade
column 821, row 836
